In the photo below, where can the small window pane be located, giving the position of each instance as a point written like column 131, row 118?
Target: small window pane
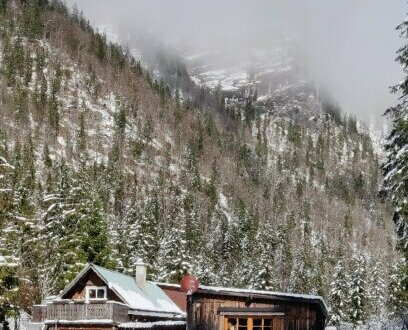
column 242, row 323
column 257, row 324
column 232, row 324
column 100, row 293
column 92, row 293
column 268, row 322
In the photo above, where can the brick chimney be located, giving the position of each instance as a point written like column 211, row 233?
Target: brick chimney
column 140, row 274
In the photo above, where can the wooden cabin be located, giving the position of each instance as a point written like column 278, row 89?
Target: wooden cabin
column 239, row 309
column 102, row 299
column 99, row 299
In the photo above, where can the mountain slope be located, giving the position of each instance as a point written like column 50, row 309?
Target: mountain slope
column 101, row 163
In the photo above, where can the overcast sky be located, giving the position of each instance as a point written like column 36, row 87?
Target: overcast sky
column 349, row 45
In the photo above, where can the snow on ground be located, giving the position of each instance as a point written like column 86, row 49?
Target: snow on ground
column 230, row 72
column 380, row 324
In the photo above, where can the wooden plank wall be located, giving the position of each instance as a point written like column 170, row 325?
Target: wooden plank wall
column 298, row 316
column 91, row 279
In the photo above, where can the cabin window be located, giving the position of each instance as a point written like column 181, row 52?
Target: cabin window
column 96, row 293
column 237, row 324
column 263, row 324
column 253, row 323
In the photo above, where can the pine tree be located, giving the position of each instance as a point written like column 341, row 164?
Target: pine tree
column 172, row 259
column 266, row 242
column 138, row 237
column 9, row 284
column 303, row 274
column 339, row 293
column 377, row 290
column 74, row 227
column 9, row 244
column 359, row 295
column 395, row 168
column 397, row 289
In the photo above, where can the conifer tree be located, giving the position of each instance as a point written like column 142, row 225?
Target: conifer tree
column 9, row 293
column 172, row 259
column 75, row 228
column 265, row 278
column 359, row 295
column 140, row 232
column 395, row 168
column 339, row 293
column 377, row 290
column 9, row 243
column 397, row 289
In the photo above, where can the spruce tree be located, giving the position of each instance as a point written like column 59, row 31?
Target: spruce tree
column 397, row 288
column 339, row 293
column 10, row 252
column 265, row 278
column 377, row 290
column 172, row 259
column 359, row 295
column 395, row 168
column 74, row 227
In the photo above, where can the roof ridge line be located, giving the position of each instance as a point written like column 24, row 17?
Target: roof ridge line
column 112, row 270
column 118, row 272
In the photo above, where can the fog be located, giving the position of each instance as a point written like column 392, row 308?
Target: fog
column 347, row 46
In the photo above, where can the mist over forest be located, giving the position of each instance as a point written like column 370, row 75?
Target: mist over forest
column 337, row 43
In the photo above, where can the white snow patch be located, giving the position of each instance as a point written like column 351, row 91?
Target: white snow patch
column 61, row 141
column 148, row 325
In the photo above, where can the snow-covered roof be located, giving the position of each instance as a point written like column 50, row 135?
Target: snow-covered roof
column 149, row 325
column 272, row 294
column 149, row 298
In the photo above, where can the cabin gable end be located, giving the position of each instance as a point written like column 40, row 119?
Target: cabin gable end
column 90, row 286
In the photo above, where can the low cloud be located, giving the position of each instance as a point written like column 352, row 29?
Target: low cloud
column 346, row 46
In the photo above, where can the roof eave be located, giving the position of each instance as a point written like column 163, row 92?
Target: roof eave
column 316, row 300
column 71, row 284
column 174, row 315
column 82, row 273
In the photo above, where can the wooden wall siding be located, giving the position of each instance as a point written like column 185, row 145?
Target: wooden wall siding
column 71, row 312
column 91, row 279
column 298, row 316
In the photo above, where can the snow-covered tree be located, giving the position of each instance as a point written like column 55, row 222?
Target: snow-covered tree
column 395, row 168
column 136, row 235
column 359, row 295
column 9, row 292
column 172, row 259
column 377, row 289
column 9, row 244
column 339, row 293
column 265, row 278
column 74, row 228
column 304, row 269
column 397, row 288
